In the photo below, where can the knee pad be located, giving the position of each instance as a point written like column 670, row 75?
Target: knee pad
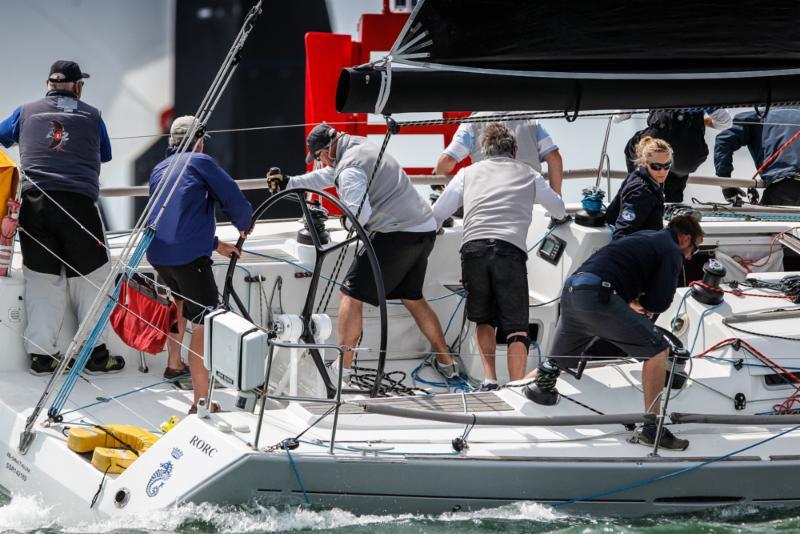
column 522, row 338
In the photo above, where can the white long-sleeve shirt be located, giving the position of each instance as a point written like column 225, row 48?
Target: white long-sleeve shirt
column 352, row 188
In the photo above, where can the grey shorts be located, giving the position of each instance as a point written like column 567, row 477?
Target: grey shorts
column 585, row 318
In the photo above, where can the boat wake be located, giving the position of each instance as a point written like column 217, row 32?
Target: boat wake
column 26, row 514
column 29, row 514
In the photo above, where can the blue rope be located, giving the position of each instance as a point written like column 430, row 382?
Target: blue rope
column 673, row 474
column 547, row 233
column 700, row 323
column 592, row 200
column 297, row 476
column 88, row 347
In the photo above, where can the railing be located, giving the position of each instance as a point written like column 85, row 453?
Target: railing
column 337, row 402
column 442, row 179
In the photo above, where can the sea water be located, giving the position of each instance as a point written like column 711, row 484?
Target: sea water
column 28, row 514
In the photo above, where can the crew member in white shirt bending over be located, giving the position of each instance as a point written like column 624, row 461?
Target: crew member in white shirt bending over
column 498, row 194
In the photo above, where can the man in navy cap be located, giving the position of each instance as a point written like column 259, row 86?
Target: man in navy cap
column 403, row 233
column 62, row 143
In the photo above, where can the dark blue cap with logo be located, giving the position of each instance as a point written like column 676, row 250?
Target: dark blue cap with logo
column 63, row 71
column 320, row 137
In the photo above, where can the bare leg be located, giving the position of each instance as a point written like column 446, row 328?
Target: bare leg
column 487, row 345
column 431, row 328
column 517, row 358
column 174, row 340
column 196, row 366
column 654, row 371
column 351, row 312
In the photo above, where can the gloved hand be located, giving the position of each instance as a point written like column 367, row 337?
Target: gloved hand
column 276, row 181
column 734, row 195
column 557, row 222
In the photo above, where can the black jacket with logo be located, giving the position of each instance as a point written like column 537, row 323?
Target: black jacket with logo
column 639, row 205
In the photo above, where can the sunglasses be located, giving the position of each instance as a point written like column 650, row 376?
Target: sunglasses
column 659, row 166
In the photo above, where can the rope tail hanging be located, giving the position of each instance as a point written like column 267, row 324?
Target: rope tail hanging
column 134, row 250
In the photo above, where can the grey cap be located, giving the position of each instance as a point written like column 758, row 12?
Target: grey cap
column 320, row 137
column 180, row 127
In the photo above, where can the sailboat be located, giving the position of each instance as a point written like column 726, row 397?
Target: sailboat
column 399, row 437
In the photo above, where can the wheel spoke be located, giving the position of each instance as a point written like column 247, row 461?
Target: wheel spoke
column 336, row 246
column 312, row 229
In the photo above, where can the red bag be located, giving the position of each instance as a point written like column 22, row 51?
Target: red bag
column 142, row 317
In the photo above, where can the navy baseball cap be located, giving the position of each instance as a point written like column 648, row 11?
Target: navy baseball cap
column 320, row 137
column 65, row 71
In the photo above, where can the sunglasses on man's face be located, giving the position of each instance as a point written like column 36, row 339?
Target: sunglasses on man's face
column 659, row 166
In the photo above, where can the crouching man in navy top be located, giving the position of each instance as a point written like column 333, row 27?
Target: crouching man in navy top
column 612, row 297
column 181, row 249
column 62, row 143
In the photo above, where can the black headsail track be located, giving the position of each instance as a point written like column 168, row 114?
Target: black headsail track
column 356, row 236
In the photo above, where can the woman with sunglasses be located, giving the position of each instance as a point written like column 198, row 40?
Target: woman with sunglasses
column 639, row 204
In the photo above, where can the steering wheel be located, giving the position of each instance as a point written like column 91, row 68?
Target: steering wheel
column 322, row 250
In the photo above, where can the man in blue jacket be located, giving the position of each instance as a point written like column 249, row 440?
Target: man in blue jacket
column 62, row 143
column 612, row 296
column 184, row 241
column 763, row 137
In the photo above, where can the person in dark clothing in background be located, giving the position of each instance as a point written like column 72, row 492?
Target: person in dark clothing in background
column 639, row 204
column 612, row 296
column 685, row 131
column 181, row 249
column 62, row 143
column 763, row 137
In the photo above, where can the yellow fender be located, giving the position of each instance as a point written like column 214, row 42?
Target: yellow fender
column 111, row 445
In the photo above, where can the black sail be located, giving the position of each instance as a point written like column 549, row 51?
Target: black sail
column 580, row 55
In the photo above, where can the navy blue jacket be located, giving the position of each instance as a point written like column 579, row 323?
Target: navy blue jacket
column 186, row 230
column 762, row 140
column 639, row 205
column 644, row 265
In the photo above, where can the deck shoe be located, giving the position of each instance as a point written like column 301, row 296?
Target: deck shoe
column 447, row 370
column 170, row 373
column 43, row 364
column 646, row 435
column 102, row 362
column 489, row 386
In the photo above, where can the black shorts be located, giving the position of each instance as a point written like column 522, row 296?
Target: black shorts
column 403, row 259
column 584, row 318
column 79, row 252
column 496, row 280
column 194, row 284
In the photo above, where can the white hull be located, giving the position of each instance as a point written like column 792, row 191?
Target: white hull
column 392, row 465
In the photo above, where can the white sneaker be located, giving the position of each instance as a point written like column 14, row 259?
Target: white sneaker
column 447, row 370
column 346, row 373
